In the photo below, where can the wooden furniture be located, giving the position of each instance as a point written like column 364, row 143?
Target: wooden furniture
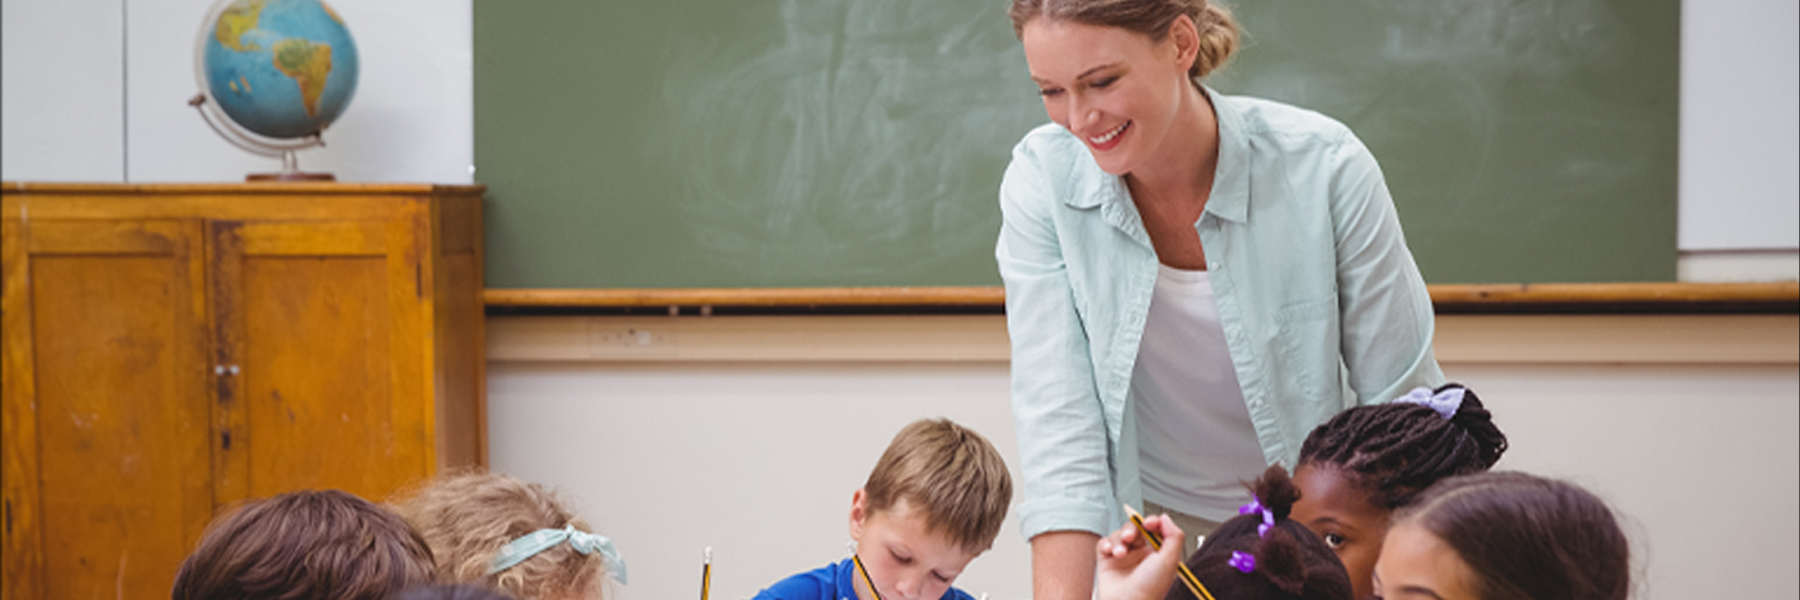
column 170, row 350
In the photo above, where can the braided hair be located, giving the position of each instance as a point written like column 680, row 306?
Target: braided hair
column 1396, row 450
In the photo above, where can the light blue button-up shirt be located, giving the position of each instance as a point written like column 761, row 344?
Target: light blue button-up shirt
column 1321, row 303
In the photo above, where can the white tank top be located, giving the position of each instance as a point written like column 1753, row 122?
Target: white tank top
column 1196, row 443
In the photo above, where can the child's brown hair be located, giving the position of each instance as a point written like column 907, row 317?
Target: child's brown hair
column 950, row 474
column 324, row 545
column 1526, row 537
column 467, row 517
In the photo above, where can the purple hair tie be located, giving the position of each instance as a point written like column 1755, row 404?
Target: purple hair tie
column 1268, row 516
column 1445, row 403
column 1245, row 563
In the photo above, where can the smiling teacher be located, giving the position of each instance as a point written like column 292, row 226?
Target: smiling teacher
column 1193, row 280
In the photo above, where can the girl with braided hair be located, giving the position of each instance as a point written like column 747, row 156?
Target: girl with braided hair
column 1356, row 469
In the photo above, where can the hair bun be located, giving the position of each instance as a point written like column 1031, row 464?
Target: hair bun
column 1276, row 491
column 1279, row 559
column 1474, row 418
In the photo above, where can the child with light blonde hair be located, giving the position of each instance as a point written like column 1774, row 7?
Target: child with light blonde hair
column 520, row 538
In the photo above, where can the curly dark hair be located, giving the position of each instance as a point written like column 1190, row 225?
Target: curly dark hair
column 1291, row 562
column 1398, row 449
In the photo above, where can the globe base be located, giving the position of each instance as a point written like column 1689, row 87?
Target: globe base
column 290, row 176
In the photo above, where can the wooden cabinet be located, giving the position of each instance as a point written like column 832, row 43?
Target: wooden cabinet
column 172, row 349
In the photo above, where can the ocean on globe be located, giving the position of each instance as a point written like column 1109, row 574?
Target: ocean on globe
column 279, row 68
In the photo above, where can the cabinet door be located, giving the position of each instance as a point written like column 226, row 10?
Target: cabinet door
column 107, row 473
column 325, row 323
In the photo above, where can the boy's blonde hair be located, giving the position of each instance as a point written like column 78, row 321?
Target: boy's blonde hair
column 948, row 473
column 467, row 517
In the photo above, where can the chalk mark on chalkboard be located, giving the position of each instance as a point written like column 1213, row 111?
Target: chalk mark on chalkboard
column 847, row 143
column 1445, row 92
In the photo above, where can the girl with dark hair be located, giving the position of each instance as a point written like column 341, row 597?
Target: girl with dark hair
column 1505, row 536
column 1358, row 468
column 1259, row 555
column 1193, row 280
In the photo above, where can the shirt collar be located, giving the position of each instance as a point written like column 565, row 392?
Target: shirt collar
column 1230, row 197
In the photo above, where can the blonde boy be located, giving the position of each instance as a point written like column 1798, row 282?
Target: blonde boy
column 933, row 503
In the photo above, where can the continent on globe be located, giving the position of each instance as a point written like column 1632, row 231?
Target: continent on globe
column 237, row 20
column 281, row 69
column 308, row 63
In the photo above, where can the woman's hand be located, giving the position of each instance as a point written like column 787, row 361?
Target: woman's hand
column 1129, row 569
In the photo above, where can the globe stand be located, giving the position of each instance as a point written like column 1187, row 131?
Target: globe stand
column 290, row 171
column 286, row 151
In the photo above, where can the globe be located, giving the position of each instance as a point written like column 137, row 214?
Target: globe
column 279, row 68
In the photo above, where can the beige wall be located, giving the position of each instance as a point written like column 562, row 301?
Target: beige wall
column 748, row 434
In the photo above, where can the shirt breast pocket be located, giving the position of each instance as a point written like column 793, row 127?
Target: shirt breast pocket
column 1308, row 338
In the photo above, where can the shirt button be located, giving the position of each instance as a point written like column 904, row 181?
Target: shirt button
column 1214, row 265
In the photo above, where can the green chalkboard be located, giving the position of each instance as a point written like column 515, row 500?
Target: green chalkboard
column 797, row 143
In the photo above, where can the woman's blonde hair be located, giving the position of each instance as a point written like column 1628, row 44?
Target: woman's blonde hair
column 1218, row 29
column 466, row 517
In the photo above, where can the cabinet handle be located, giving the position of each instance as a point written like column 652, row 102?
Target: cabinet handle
column 221, row 370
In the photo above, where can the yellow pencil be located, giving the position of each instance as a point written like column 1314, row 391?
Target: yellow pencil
column 706, row 575
column 1187, row 577
column 865, row 574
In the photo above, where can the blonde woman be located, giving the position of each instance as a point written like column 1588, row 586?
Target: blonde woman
column 1193, row 280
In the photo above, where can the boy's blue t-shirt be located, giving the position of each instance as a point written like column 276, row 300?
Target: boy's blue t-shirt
column 830, row 582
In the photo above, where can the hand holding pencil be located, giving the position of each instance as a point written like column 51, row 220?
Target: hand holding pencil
column 1132, row 568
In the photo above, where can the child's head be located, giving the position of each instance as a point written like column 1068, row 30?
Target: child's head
column 326, row 545
column 934, row 502
column 1506, row 536
column 1364, row 463
column 1262, row 554
column 470, row 518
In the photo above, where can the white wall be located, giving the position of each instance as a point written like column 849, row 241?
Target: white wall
column 62, row 99
column 1740, row 141
column 98, row 90
column 1740, row 125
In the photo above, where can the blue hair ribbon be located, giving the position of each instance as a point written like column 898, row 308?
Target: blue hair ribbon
column 530, row 544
